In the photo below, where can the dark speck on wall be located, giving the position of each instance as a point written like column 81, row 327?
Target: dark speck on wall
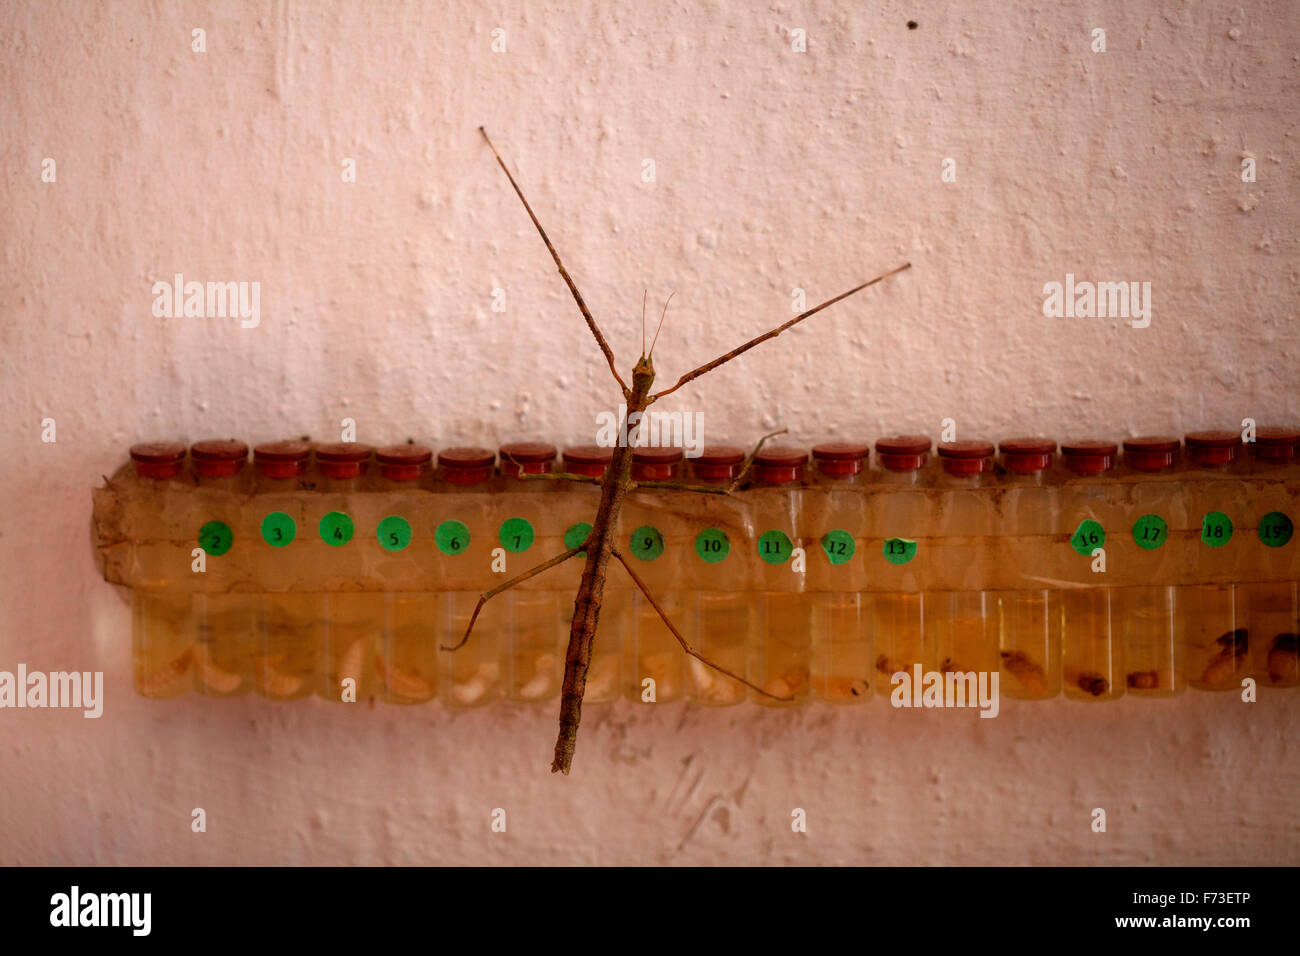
column 912, row 24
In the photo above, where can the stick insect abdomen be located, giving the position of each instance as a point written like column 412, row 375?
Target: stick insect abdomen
column 591, row 589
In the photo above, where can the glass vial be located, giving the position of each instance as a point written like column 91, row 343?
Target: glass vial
column 1029, row 622
column 963, row 624
column 781, row 655
column 531, row 610
column 842, row 652
column 1275, row 606
column 654, row 662
column 351, row 621
column 285, row 663
column 898, row 619
column 225, row 619
column 1214, row 618
column 724, row 608
column 408, row 654
column 1092, row 654
column 1153, row 647
column 162, row 624
column 474, row 674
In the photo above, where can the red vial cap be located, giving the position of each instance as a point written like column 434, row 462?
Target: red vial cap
column 466, row 466
column 841, row 459
column 589, row 460
column 218, row 458
column 966, row 458
column 282, row 459
column 342, row 459
column 655, row 464
column 527, row 458
column 779, row 466
column 403, row 462
column 1150, row 452
column 1024, row 456
column 1212, row 447
column 1089, row 456
column 158, row 459
column 1276, row 444
column 717, row 464
column 903, row 452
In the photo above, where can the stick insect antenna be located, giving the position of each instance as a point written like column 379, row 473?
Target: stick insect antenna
column 577, row 296
column 661, row 322
column 740, row 350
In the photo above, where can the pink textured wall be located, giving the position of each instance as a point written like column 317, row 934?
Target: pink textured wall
column 774, row 169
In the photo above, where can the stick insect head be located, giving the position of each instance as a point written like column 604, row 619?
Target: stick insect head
column 644, row 372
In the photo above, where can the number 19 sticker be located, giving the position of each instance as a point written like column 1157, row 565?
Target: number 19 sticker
column 1275, row 529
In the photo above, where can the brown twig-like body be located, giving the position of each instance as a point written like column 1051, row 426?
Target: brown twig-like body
column 617, row 482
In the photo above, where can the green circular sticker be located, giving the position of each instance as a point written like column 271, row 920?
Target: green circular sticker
column 898, row 550
column 215, row 537
column 394, row 533
column 1275, row 529
column 774, row 547
column 712, row 545
column 516, row 535
column 1216, row 529
column 1090, row 534
column 839, row 546
column 647, row 543
column 1150, row 532
column 278, row 529
column 336, row 529
column 576, row 535
column 451, row 537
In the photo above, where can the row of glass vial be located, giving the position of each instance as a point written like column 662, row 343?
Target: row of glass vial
column 1097, row 643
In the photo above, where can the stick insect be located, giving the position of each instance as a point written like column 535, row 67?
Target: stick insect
column 600, row 545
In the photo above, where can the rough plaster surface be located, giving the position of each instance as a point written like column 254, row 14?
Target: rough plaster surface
column 775, row 170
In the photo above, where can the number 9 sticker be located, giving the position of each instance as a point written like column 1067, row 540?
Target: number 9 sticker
column 647, row 543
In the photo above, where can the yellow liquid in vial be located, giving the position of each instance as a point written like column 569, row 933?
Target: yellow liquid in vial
column 408, row 660
column 286, row 665
column 605, row 669
column 348, row 641
column 163, row 649
column 842, row 658
column 1213, row 621
column 962, row 630
column 473, row 675
column 653, row 652
column 1029, row 644
column 902, row 640
column 724, row 620
column 1092, row 660
column 1153, row 651
column 536, row 645
column 780, row 658
column 225, row 644
column 1274, row 633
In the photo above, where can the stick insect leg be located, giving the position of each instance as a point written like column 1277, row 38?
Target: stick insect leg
column 677, row 634
column 739, row 350
column 577, row 296
column 549, row 475
column 711, row 489
column 518, row 579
